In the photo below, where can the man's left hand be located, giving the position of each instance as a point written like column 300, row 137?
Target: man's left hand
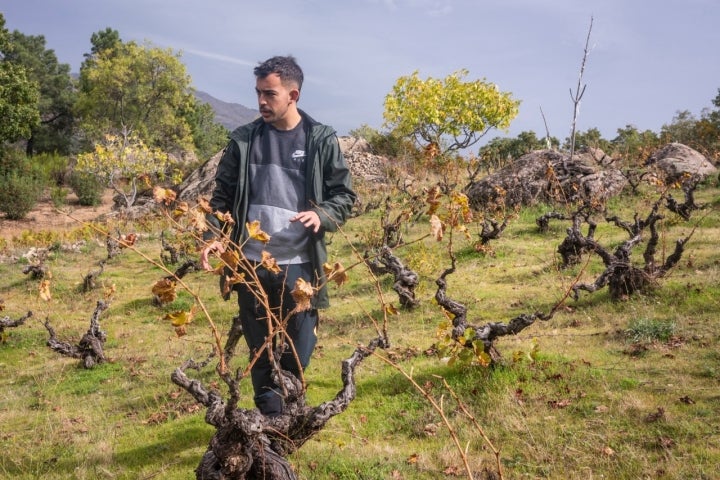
column 309, row 219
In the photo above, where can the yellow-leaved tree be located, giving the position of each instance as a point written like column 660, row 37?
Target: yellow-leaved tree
column 449, row 114
column 122, row 161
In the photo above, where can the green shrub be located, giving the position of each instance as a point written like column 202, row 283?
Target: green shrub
column 87, row 187
column 58, row 195
column 21, row 184
column 18, row 194
column 54, row 167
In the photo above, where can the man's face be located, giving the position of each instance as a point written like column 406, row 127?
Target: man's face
column 275, row 99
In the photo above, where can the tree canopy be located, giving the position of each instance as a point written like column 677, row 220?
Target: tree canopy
column 451, row 113
column 56, row 93
column 19, row 95
column 137, row 88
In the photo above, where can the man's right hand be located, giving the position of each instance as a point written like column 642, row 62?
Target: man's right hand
column 212, row 247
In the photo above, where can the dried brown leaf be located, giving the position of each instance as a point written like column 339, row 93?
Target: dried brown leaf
column 204, row 204
column 302, row 294
column 269, row 263
column 164, row 290
column 336, row 273
column 164, row 195
column 436, row 228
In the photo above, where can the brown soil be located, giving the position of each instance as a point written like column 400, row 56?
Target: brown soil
column 45, row 217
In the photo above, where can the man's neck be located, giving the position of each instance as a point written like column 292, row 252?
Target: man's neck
column 289, row 121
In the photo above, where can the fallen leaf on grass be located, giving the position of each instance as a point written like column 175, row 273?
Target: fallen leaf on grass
column 666, row 442
column 565, row 402
column 390, row 309
column 453, row 471
column 657, row 415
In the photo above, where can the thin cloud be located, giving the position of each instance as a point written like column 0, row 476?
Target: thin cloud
column 219, row 57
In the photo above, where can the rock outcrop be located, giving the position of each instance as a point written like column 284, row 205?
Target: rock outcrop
column 363, row 163
column 548, row 175
column 675, row 161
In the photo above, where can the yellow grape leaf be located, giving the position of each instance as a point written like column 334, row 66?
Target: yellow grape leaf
column 45, row 290
column 181, row 209
column 204, row 204
column 164, row 290
column 336, row 273
column 256, row 233
column 461, row 201
column 390, row 309
column 164, row 195
column 464, row 230
column 436, row 227
column 412, row 459
column 302, row 294
column 482, row 357
column 269, row 262
column 2, row 305
column 145, row 179
column 230, row 258
column 181, row 317
column 236, row 278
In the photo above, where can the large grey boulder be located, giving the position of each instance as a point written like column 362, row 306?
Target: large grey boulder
column 677, row 162
column 549, row 176
column 200, row 182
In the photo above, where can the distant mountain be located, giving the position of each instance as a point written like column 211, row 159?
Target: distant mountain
column 229, row 115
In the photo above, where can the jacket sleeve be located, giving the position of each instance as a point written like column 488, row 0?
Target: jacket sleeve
column 337, row 197
column 226, row 178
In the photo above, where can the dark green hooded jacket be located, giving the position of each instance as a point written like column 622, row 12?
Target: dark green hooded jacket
column 328, row 188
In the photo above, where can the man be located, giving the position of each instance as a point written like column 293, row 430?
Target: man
column 286, row 171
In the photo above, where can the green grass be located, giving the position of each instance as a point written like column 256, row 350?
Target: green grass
column 621, row 390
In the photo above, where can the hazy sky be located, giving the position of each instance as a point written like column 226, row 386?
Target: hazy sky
column 649, row 59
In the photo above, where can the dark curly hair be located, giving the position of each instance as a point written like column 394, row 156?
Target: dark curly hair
column 286, row 67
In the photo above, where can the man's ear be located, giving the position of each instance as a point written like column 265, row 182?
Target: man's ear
column 295, row 95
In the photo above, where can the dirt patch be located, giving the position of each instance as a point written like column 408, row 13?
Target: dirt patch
column 45, row 217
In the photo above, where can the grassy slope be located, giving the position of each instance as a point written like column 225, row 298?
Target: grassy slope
column 580, row 408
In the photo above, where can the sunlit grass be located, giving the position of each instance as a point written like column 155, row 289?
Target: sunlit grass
column 620, row 390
